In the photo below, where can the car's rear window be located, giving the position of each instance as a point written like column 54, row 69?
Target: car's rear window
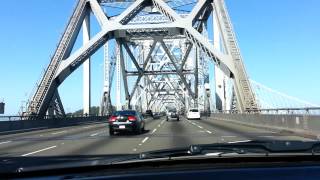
column 194, row 110
column 125, row 113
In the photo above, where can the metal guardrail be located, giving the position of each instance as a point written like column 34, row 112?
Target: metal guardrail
column 301, row 111
column 304, row 124
column 34, row 117
column 305, row 110
column 15, row 124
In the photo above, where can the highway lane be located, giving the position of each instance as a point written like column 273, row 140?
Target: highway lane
column 93, row 139
column 24, row 142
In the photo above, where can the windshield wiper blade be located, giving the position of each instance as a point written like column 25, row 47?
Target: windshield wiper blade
column 255, row 146
column 168, row 153
column 272, row 146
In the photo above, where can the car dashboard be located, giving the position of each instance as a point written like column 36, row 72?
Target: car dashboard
column 222, row 168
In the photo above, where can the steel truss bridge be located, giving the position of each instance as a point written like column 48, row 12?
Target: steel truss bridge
column 157, row 55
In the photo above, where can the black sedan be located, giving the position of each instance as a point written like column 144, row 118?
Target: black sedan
column 127, row 120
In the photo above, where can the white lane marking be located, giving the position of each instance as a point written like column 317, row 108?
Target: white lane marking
column 134, row 149
column 267, row 136
column 34, row 152
column 154, row 131
column 5, row 142
column 248, row 140
column 205, row 130
column 94, row 134
column 159, row 125
column 87, row 127
column 228, row 136
column 97, row 133
column 145, row 139
column 140, row 144
column 58, row 132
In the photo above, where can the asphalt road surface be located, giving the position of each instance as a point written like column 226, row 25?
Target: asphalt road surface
column 94, row 139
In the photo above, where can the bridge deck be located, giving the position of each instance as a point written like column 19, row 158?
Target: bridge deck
column 93, row 139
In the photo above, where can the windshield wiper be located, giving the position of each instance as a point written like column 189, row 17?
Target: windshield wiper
column 264, row 148
column 250, row 147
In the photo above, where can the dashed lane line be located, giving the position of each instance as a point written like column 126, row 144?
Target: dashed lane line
column 91, row 126
column 154, row 131
column 205, row 130
column 94, row 134
column 145, row 139
column 34, row 152
column 60, row 132
column 228, row 136
column 5, row 142
column 267, row 136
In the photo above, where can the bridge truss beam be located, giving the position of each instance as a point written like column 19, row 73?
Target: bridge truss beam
column 188, row 28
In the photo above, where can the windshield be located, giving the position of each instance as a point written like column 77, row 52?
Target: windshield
column 124, row 113
column 194, row 110
column 168, row 75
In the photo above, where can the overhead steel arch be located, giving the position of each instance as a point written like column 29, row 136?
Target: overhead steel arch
column 63, row 63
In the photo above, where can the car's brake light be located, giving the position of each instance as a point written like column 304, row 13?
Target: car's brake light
column 112, row 118
column 132, row 118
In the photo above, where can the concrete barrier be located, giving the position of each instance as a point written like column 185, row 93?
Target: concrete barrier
column 9, row 127
column 306, row 125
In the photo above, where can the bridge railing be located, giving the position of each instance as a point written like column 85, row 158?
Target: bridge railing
column 305, row 124
column 16, row 124
column 288, row 111
column 47, row 117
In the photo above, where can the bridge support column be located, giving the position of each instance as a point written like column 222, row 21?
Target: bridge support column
column 118, row 83
column 196, row 77
column 220, row 89
column 86, row 68
column 105, row 107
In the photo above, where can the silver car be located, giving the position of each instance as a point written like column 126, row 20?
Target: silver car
column 172, row 115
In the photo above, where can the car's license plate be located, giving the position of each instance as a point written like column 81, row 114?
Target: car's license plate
column 122, row 127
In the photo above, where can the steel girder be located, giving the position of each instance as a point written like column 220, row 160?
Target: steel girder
column 63, row 64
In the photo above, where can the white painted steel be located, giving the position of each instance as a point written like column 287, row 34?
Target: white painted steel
column 86, row 68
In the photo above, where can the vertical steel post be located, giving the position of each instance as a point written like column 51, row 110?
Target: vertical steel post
column 196, row 78
column 86, row 67
column 118, row 84
column 218, row 74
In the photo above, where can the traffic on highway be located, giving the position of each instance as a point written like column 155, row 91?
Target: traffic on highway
column 101, row 138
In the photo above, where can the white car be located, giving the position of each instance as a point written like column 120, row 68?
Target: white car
column 193, row 114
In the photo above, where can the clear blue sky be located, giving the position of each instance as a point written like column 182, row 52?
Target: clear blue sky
column 279, row 40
